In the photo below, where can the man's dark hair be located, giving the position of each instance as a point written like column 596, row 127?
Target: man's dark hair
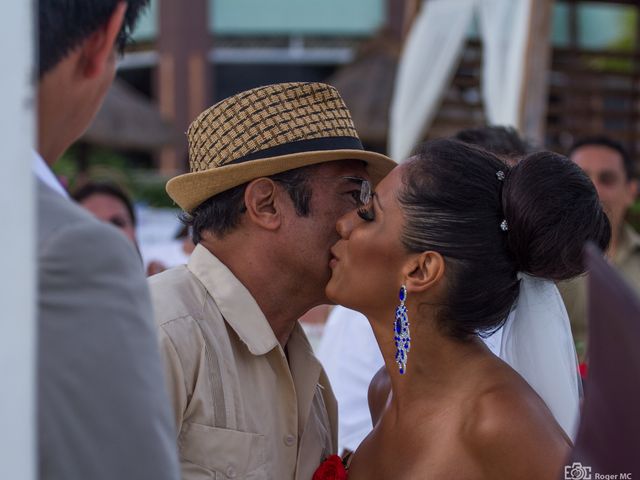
column 604, row 141
column 105, row 188
column 64, row 24
column 505, row 142
column 221, row 213
column 454, row 202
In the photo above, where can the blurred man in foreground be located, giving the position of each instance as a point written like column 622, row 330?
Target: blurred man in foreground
column 102, row 406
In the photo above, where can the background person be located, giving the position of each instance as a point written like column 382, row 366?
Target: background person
column 504, row 142
column 109, row 203
column 611, row 169
column 169, row 253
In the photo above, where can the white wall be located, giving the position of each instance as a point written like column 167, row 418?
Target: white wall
column 17, row 243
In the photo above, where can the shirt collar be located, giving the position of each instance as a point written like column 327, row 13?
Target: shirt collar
column 236, row 304
column 243, row 315
column 44, row 173
column 630, row 240
column 634, row 238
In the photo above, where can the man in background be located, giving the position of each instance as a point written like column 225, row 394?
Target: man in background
column 102, row 407
column 611, row 170
column 505, row 142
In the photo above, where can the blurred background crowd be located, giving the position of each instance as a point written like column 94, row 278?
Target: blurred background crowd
column 579, row 95
column 581, row 80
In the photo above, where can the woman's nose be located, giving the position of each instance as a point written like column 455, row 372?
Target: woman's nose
column 344, row 226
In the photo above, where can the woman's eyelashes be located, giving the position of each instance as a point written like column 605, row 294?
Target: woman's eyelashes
column 366, row 214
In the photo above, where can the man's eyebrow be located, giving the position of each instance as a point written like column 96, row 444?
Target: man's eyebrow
column 353, row 179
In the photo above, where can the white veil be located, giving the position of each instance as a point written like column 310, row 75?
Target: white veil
column 537, row 343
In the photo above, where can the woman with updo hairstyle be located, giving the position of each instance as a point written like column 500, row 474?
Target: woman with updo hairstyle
column 452, row 244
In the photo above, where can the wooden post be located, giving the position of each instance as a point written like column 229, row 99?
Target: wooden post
column 17, row 243
column 535, row 92
column 183, row 75
column 395, row 17
column 573, row 25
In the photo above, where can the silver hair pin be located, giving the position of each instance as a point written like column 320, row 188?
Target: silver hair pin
column 500, row 175
column 504, row 226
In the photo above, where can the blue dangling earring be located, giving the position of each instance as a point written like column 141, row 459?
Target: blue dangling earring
column 401, row 332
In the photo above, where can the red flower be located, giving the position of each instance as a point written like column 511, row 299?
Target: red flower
column 331, row 469
column 583, row 370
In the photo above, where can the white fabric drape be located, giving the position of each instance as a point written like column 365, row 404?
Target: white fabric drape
column 429, row 59
column 504, row 27
column 431, row 55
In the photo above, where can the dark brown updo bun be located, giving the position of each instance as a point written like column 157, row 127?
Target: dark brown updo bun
column 455, row 201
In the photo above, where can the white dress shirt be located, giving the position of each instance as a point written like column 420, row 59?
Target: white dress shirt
column 350, row 355
column 44, row 173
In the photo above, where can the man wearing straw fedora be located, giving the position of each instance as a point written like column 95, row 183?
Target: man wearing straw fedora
column 272, row 169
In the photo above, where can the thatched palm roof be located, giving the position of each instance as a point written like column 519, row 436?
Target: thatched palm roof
column 367, row 87
column 128, row 120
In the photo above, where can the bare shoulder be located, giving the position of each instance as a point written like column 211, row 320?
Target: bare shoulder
column 511, row 433
column 378, row 396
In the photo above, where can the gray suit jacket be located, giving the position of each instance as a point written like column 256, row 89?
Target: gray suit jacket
column 103, row 411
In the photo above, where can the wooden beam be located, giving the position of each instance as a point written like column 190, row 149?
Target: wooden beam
column 183, row 74
column 533, row 103
column 573, row 25
column 400, row 17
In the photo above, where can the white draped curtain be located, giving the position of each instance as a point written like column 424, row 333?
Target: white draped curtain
column 431, row 55
column 17, row 244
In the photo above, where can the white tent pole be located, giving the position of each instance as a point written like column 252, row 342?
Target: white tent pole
column 17, row 244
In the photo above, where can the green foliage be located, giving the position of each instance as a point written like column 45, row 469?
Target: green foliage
column 81, row 163
column 633, row 215
column 625, row 42
column 149, row 187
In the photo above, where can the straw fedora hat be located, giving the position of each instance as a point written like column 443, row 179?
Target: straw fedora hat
column 268, row 130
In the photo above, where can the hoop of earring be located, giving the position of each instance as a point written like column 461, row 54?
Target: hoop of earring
column 401, row 334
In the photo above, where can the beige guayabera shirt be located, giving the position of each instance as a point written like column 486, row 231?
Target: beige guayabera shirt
column 575, row 295
column 242, row 410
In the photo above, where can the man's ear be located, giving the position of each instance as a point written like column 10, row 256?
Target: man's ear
column 97, row 50
column 262, row 203
column 423, row 271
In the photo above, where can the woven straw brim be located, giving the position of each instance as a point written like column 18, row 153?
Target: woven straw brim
column 192, row 189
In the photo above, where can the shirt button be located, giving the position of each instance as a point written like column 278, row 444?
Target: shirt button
column 289, row 440
column 231, row 472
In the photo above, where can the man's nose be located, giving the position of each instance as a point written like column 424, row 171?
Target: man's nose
column 344, row 225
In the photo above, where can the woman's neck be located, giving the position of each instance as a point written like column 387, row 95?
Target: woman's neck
column 436, row 363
